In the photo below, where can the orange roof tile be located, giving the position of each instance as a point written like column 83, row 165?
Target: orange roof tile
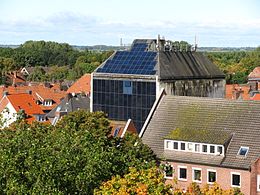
column 25, row 102
column 256, row 97
column 39, row 92
column 255, row 73
column 81, row 85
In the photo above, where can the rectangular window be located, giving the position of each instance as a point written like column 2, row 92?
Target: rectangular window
column 212, row 149
column 190, row 146
column 258, row 183
column 168, row 144
column 196, row 174
column 182, row 173
column 183, row 146
column 212, row 176
column 243, row 151
column 235, row 179
column 197, row 147
column 220, row 149
column 175, row 145
column 168, row 171
column 127, row 87
column 205, row 148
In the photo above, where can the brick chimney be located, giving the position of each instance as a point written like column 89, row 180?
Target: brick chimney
column 237, row 93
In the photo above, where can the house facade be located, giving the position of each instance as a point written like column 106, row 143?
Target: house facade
column 127, row 83
column 20, row 105
column 206, row 140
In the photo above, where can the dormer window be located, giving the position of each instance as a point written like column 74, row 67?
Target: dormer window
column 202, row 148
column 175, row 145
column 243, row 151
column 183, row 146
column 212, row 149
column 47, row 102
column 220, row 149
column 40, row 118
column 198, row 141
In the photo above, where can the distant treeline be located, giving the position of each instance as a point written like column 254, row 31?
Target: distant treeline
column 236, row 65
column 68, row 63
column 71, row 62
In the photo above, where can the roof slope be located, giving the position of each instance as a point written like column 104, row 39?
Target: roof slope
column 141, row 59
column 255, row 74
column 25, row 102
column 71, row 103
column 239, row 118
column 39, row 92
column 81, row 85
column 186, row 65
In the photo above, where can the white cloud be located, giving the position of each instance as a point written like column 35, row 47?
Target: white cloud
column 88, row 30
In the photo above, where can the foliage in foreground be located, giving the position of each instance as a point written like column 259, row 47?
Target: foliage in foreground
column 151, row 182
column 146, row 181
column 76, row 156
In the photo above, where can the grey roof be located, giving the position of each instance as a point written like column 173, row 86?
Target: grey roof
column 144, row 58
column 239, row 118
column 186, row 65
column 71, row 103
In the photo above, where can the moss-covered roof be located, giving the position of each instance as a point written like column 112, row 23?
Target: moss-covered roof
column 200, row 136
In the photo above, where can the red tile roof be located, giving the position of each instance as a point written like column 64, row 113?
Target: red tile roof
column 255, row 97
column 25, row 102
column 81, row 85
column 39, row 92
column 255, row 74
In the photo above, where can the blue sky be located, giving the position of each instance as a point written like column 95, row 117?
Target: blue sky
column 231, row 23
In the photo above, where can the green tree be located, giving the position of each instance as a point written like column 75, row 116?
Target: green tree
column 74, row 157
column 145, row 181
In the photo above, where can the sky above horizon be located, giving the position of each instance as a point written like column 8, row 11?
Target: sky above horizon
column 220, row 23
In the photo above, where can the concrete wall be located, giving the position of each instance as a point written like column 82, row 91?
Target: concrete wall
column 223, row 176
column 214, row 88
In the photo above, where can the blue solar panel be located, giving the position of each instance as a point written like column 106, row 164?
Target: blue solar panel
column 136, row 61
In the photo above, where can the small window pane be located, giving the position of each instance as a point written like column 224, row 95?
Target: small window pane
column 212, row 149
column 183, row 173
column 127, row 83
column 243, row 151
column 168, row 144
column 211, row 176
column 127, row 88
column 204, row 148
column 168, row 171
column 182, row 146
column 235, row 180
column 197, row 147
column 197, row 175
column 220, row 149
column 190, row 146
column 175, row 145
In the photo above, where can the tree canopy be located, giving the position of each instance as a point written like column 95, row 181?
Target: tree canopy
column 75, row 156
column 236, row 65
column 70, row 63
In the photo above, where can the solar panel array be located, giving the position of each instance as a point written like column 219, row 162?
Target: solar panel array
column 135, row 61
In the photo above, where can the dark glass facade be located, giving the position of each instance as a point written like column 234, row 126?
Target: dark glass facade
column 124, row 99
